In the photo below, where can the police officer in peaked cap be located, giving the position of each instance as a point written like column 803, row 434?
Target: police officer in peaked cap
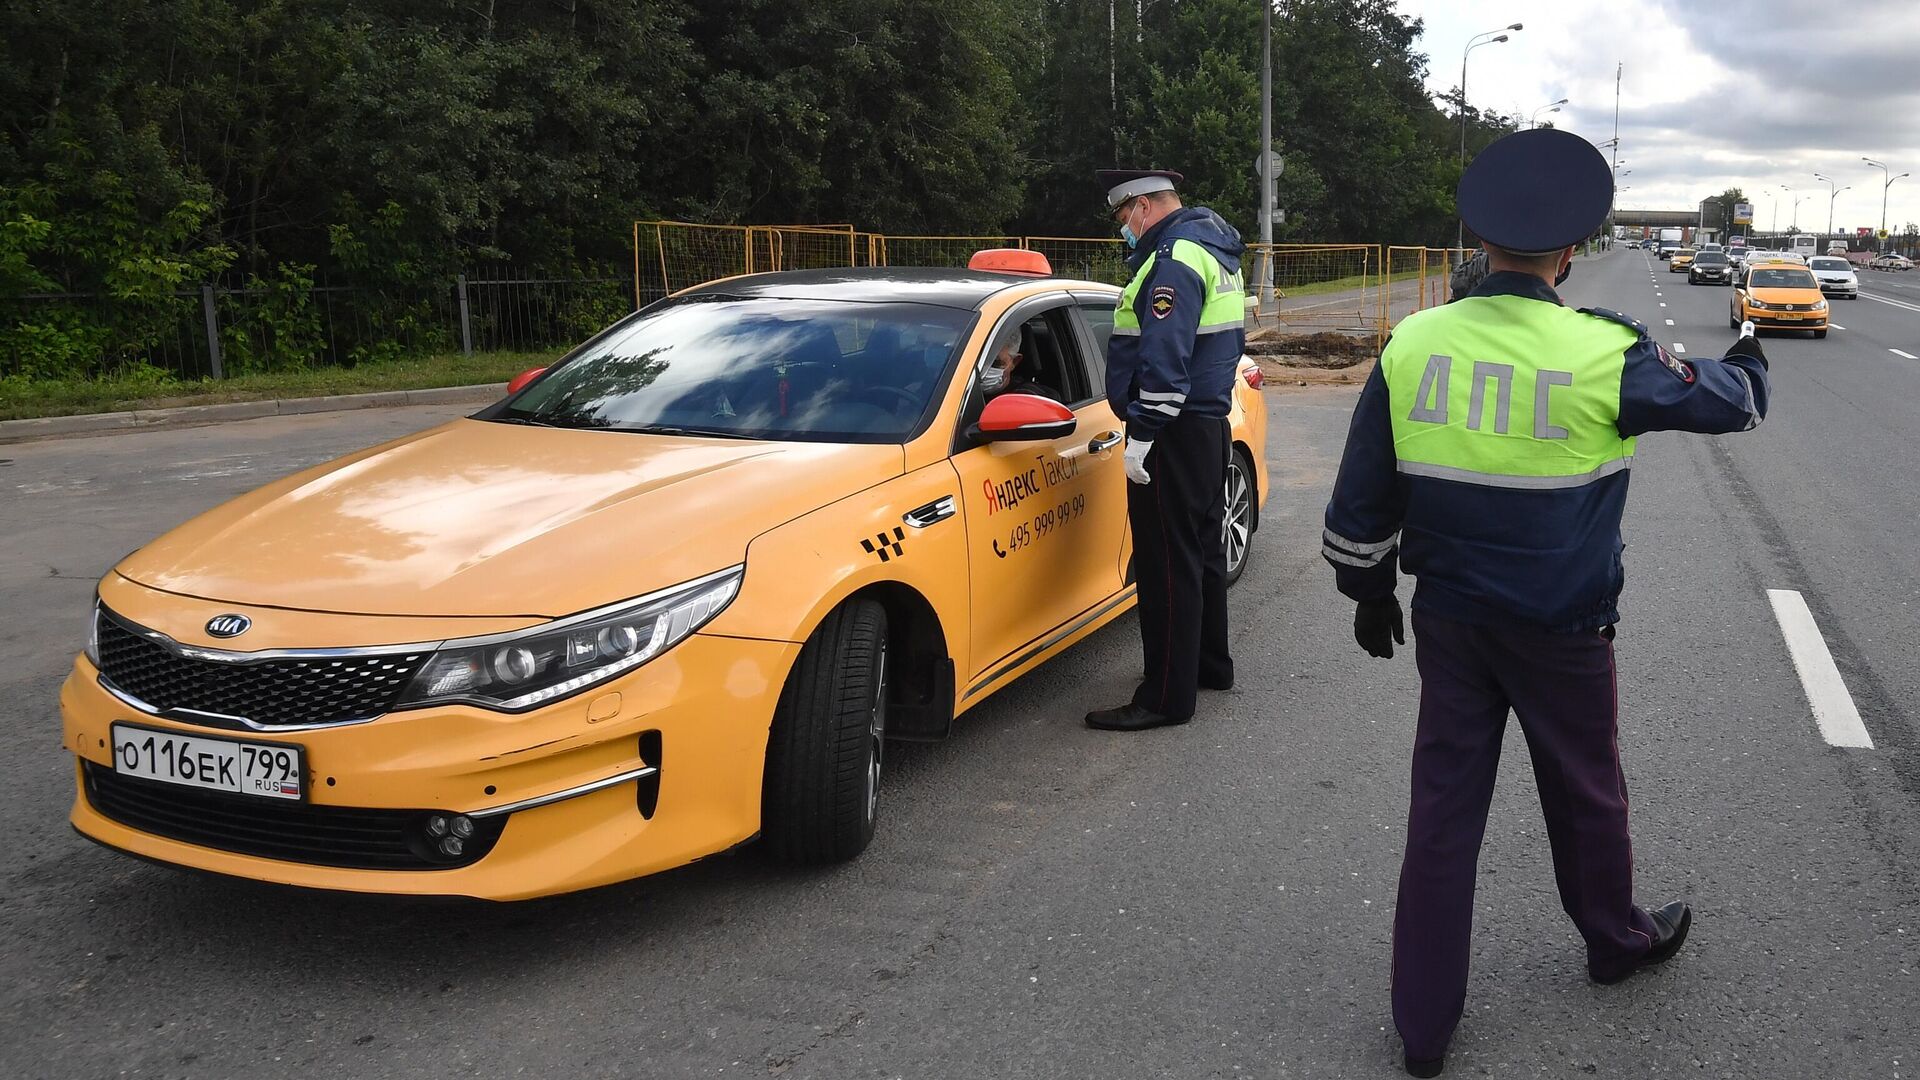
column 1489, row 456
column 1178, row 336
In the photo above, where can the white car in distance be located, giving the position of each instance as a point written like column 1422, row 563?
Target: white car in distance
column 1836, row 276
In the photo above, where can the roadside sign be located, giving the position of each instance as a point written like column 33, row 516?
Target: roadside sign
column 1272, row 167
column 1743, row 213
column 1279, row 216
column 1883, row 234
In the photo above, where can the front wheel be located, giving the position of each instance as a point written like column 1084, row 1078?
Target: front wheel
column 821, row 796
column 1243, row 513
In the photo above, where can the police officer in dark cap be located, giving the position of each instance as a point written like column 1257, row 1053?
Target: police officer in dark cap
column 1489, row 457
column 1178, row 336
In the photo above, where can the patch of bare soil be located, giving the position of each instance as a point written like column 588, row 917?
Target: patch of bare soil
column 1324, row 359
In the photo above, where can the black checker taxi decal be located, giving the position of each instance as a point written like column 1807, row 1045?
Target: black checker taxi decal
column 886, row 546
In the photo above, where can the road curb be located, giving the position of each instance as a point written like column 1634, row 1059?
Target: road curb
column 69, row 427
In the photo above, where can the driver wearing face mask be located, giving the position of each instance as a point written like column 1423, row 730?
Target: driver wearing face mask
column 1003, row 375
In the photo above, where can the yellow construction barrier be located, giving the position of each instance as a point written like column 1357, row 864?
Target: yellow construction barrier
column 1089, row 259
column 672, row 255
column 932, row 250
column 1314, row 288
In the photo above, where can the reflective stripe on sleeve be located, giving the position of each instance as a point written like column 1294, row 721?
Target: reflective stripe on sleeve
column 1161, row 407
column 1155, row 395
column 1355, row 547
column 1339, row 556
column 1126, row 331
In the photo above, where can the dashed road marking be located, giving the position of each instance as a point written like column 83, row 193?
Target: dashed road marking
column 1669, row 322
column 1679, row 347
column 1663, row 305
column 1835, row 326
column 1908, row 355
column 1833, row 709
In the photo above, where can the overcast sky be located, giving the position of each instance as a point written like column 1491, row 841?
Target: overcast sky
column 1757, row 94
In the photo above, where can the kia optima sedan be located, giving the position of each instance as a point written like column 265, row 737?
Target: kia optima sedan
column 671, row 594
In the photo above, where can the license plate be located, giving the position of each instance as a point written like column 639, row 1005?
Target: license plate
column 266, row 770
column 1787, row 315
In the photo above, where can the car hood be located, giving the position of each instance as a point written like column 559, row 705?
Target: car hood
column 1833, row 275
column 486, row 519
column 1785, row 296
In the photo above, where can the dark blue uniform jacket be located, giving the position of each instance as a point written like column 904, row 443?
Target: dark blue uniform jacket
column 1545, row 559
column 1180, row 369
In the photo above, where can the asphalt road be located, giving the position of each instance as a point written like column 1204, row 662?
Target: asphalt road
column 1046, row 901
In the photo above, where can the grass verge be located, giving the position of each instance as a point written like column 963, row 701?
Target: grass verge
column 22, row 399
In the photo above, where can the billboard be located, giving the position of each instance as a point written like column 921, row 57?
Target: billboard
column 1743, row 213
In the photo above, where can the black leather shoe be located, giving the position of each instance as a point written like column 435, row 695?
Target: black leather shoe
column 1130, row 717
column 1670, row 926
column 1425, row 1066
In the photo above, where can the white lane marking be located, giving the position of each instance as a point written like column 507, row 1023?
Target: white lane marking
column 1669, row 322
column 1908, row 355
column 1663, row 305
column 1835, row 326
column 1833, row 708
column 1678, row 347
column 1890, row 302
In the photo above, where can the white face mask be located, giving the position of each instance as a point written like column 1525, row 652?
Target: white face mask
column 992, row 378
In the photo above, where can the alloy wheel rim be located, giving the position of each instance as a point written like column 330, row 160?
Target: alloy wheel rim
column 1239, row 517
column 876, row 734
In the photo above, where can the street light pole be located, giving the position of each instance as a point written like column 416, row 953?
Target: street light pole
column 1883, row 195
column 1267, row 194
column 1484, row 38
column 1834, row 194
column 1533, row 121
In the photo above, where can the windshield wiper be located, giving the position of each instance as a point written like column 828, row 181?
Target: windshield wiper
column 527, row 420
column 704, row 433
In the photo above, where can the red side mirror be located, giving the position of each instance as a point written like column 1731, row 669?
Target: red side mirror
column 521, row 380
column 1023, row 418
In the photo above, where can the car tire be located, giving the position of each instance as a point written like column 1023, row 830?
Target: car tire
column 820, row 800
column 1243, row 513
column 1733, row 321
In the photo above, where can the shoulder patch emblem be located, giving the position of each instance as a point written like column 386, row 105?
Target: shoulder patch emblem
column 1674, row 364
column 1162, row 301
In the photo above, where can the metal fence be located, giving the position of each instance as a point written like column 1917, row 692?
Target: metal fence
column 215, row 331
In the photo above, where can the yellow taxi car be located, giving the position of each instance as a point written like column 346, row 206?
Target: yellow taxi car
column 1780, row 295
column 1681, row 259
column 673, row 593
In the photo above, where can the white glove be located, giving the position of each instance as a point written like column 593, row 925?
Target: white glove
column 1136, row 461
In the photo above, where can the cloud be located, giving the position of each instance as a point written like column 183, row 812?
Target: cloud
column 1757, row 95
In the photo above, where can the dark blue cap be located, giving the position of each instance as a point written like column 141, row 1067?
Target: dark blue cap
column 1534, row 192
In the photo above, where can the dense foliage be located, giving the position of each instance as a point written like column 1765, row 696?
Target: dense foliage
column 152, row 145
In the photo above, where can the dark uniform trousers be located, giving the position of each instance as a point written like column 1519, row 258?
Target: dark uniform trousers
column 1180, row 563
column 1562, row 688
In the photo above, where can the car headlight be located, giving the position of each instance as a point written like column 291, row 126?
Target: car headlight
column 1759, row 305
column 527, row 668
column 92, row 651
column 1819, row 305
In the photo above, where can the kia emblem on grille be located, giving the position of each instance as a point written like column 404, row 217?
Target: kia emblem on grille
column 228, row 625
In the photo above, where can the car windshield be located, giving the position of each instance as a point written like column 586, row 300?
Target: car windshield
column 1710, row 258
column 1831, row 264
column 754, row 368
column 1781, row 278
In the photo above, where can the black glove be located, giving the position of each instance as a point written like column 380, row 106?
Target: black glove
column 1748, row 346
column 1377, row 625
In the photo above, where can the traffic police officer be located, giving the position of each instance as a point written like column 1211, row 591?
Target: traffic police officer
column 1489, row 453
column 1178, row 337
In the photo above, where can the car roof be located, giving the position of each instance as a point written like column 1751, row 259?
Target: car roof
column 964, row 289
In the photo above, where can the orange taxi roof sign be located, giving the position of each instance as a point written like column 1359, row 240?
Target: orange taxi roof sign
column 1010, row 261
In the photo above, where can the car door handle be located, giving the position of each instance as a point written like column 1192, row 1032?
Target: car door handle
column 933, row 513
column 1103, row 443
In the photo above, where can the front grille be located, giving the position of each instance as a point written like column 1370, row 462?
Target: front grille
column 271, row 693
column 343, row 836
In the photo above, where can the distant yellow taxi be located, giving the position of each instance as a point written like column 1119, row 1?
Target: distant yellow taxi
column 1682, row 259
column 1781, row 295
column 673, row 593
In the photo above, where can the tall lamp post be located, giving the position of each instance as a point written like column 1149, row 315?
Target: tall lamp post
column 1883, row 192
column 1489, row 37
column 1551, row 107
column 1834, row 194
